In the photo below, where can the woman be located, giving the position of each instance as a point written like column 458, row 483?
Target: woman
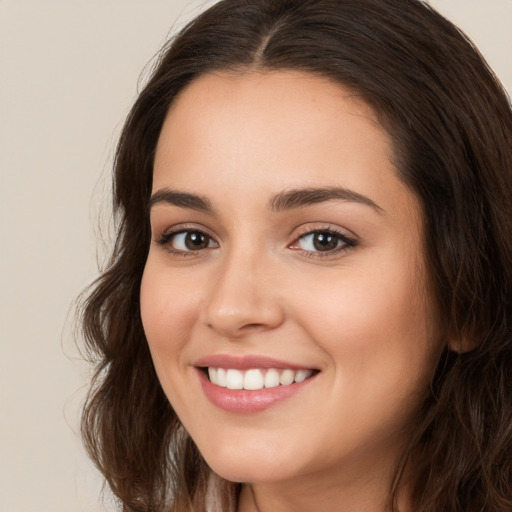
column 308, row 305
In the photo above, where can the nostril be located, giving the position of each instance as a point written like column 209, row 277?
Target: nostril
column 237, row 330
column 253, row 326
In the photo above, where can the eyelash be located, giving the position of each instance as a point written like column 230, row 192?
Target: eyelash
column 345, row 242
column 166, row 239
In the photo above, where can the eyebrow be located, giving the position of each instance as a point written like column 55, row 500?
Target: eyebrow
column 298, row 198
column 287, row 200
column 181, row 199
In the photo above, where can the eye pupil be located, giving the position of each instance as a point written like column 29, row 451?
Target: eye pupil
column 196, row 240
column 325, row 242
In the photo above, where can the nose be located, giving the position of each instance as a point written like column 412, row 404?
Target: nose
column 244, row 297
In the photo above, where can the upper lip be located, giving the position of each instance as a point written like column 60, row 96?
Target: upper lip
column 246, row 362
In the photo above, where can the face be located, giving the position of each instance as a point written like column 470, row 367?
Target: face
column 286, row 262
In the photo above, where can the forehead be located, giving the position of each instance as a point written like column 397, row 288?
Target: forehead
column 268, row 131
column 249, row 87
column 270, row 100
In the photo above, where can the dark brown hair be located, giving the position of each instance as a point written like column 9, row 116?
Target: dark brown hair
column 451, row 124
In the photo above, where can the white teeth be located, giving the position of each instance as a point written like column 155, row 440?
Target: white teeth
column 212, row 373
column 287, row 377
column 302, row 375
column 217, row 375
column 221, row 377
column 271, row 378
column 255, row 378
column 234, row 379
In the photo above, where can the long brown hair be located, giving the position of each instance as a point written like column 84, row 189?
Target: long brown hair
column 451, row 124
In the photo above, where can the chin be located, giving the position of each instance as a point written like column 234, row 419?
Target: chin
column 243, row 466
column 241, row 473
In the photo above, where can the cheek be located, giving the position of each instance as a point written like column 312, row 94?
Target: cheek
column 365, row 303
column 167, row 312
column 377, row 339
column 373, row 324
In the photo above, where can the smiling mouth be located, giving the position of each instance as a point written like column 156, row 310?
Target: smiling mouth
column 254, row 379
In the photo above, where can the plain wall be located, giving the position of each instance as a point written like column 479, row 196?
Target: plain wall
column 69, row 72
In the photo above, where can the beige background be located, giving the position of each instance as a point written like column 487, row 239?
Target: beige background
column 69, row 71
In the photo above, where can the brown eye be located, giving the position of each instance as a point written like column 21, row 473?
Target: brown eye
column 195, row 240
column 320, row 241
column 325, row 241
column 187, row 241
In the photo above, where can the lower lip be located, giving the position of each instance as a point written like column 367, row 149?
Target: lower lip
column 244, row 401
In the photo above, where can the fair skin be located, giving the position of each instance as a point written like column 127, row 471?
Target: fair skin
column 245, row 271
